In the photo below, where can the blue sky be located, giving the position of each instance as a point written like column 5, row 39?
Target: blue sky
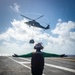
column 51, row 9
column 59, row 13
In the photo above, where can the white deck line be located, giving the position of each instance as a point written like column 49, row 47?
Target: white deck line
column 50, row 65
column 55, row 66
column 60, row 67
column 25, row 59
column 21, row 62
column 25, row 62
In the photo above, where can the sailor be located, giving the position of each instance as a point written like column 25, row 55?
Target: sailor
column 37, row 60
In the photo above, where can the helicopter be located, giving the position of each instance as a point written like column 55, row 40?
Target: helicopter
column 34, row 23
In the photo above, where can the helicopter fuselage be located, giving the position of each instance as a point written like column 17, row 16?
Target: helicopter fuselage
column 35, row 24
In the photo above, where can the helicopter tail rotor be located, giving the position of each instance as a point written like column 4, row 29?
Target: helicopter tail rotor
column 48, row 26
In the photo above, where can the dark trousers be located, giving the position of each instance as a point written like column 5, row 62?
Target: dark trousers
column 37, row 71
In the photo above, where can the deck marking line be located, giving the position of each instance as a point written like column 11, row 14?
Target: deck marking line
column 55, row 66
column 60, row 67
column 21, row 63
column 67, row 59
column 25, row 62
column 24, row 59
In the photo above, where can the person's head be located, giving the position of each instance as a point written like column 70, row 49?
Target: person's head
column 38, row 46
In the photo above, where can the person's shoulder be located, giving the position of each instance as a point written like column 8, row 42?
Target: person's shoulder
column 34, row 52
column 37, row 53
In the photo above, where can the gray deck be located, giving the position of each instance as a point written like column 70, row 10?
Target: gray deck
column 21, row 66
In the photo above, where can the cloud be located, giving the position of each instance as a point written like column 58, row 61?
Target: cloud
column 15, row 7
column 64, row 31
column 65, row 40
column 16, row 38
column 59, row 20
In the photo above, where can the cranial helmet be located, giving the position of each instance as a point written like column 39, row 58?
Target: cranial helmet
column 38, row 46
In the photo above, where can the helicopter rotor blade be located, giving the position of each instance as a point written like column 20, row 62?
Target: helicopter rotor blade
column 39, row 17
column 25, row 17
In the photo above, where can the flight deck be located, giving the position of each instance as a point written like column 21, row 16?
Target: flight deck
column 22, row 66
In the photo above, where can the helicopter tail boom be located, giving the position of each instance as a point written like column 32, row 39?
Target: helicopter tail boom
column 48, row 27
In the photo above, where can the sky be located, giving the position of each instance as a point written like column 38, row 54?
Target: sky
column 15, row 34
